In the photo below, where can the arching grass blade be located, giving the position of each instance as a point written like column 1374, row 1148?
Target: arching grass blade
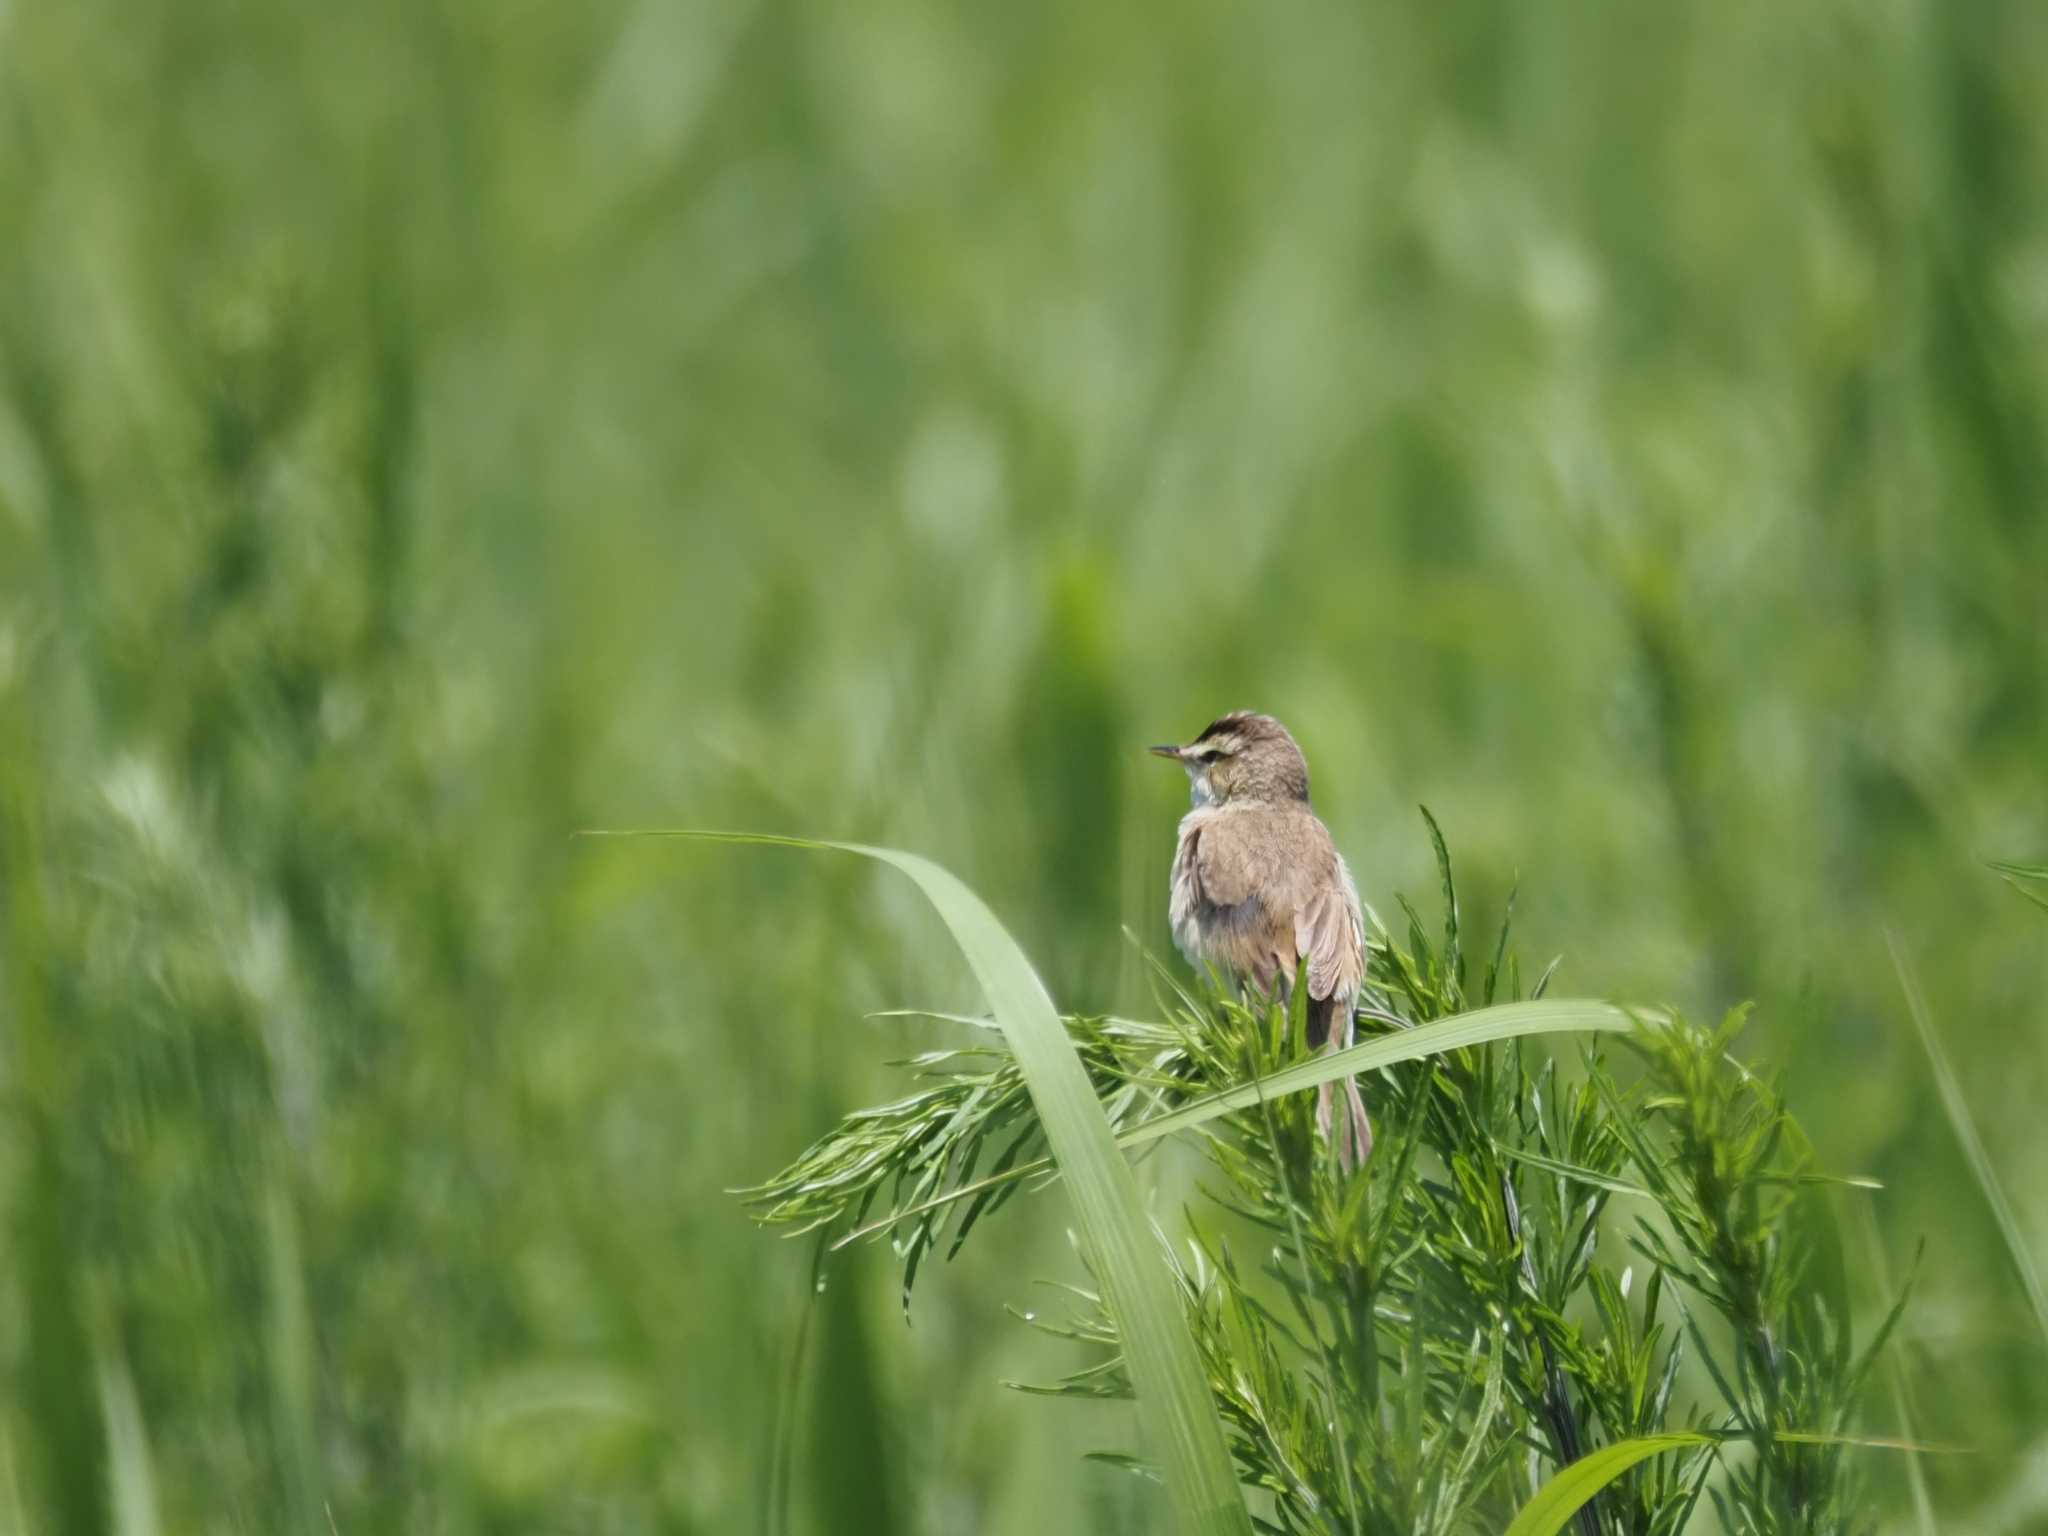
column 1175, row 1411
column 1559, row 1499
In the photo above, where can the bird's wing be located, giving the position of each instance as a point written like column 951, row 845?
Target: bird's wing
column 1224, row 861
column 1329, row 931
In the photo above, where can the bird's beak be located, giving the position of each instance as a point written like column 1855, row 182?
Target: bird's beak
column 1169, row 750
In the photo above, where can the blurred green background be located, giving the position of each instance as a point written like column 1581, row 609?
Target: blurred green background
column 429, row 429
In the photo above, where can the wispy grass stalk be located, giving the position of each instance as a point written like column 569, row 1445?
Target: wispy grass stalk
column 1964, row 1124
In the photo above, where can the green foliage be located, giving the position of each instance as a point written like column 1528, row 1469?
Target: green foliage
column 1727, row 1168
column 1407, row 1350
column 431, row 426
column 929, row 1150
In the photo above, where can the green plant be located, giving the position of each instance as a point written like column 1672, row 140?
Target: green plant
column 1519, row 1279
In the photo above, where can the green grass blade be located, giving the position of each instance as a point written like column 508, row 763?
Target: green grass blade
column 1965, row 1126
column 1619, row 1186
column 1559, row 1499
column 1572, row 1171
column 293, row 1354
column 1480, row 1027
column 131, row 1476
column 1176, row 1413
column 66, row 1438
column 1895, row 1373
column 2023, row 878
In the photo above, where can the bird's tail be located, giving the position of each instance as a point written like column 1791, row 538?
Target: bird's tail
column 1355, row 1145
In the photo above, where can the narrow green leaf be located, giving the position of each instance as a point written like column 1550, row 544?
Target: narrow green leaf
column 1559, row 1499
column 1916, row 1480
column 131, row 1476
column 1478, row 1437
column 1109, row 1020
column 1620, row 1186
column 2022, row 877
column 2035, row 897
column 65, row 1428
column 1500, row 943
column 1174, row 1407
column 1573, row 1171
column 1965, row 1126
column 1482, row 1026
column 293, row 1373
column 1454, row 958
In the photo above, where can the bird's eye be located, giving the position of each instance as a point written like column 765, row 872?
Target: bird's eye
column 1209, row 756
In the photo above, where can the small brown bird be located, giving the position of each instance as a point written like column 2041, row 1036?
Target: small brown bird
column 1258, row 886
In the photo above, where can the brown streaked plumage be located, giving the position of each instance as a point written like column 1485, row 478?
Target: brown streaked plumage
column 1258, row 886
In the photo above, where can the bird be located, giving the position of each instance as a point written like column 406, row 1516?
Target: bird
column 1258, row 886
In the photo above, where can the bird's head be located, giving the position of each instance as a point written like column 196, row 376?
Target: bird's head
column 1242, row 756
